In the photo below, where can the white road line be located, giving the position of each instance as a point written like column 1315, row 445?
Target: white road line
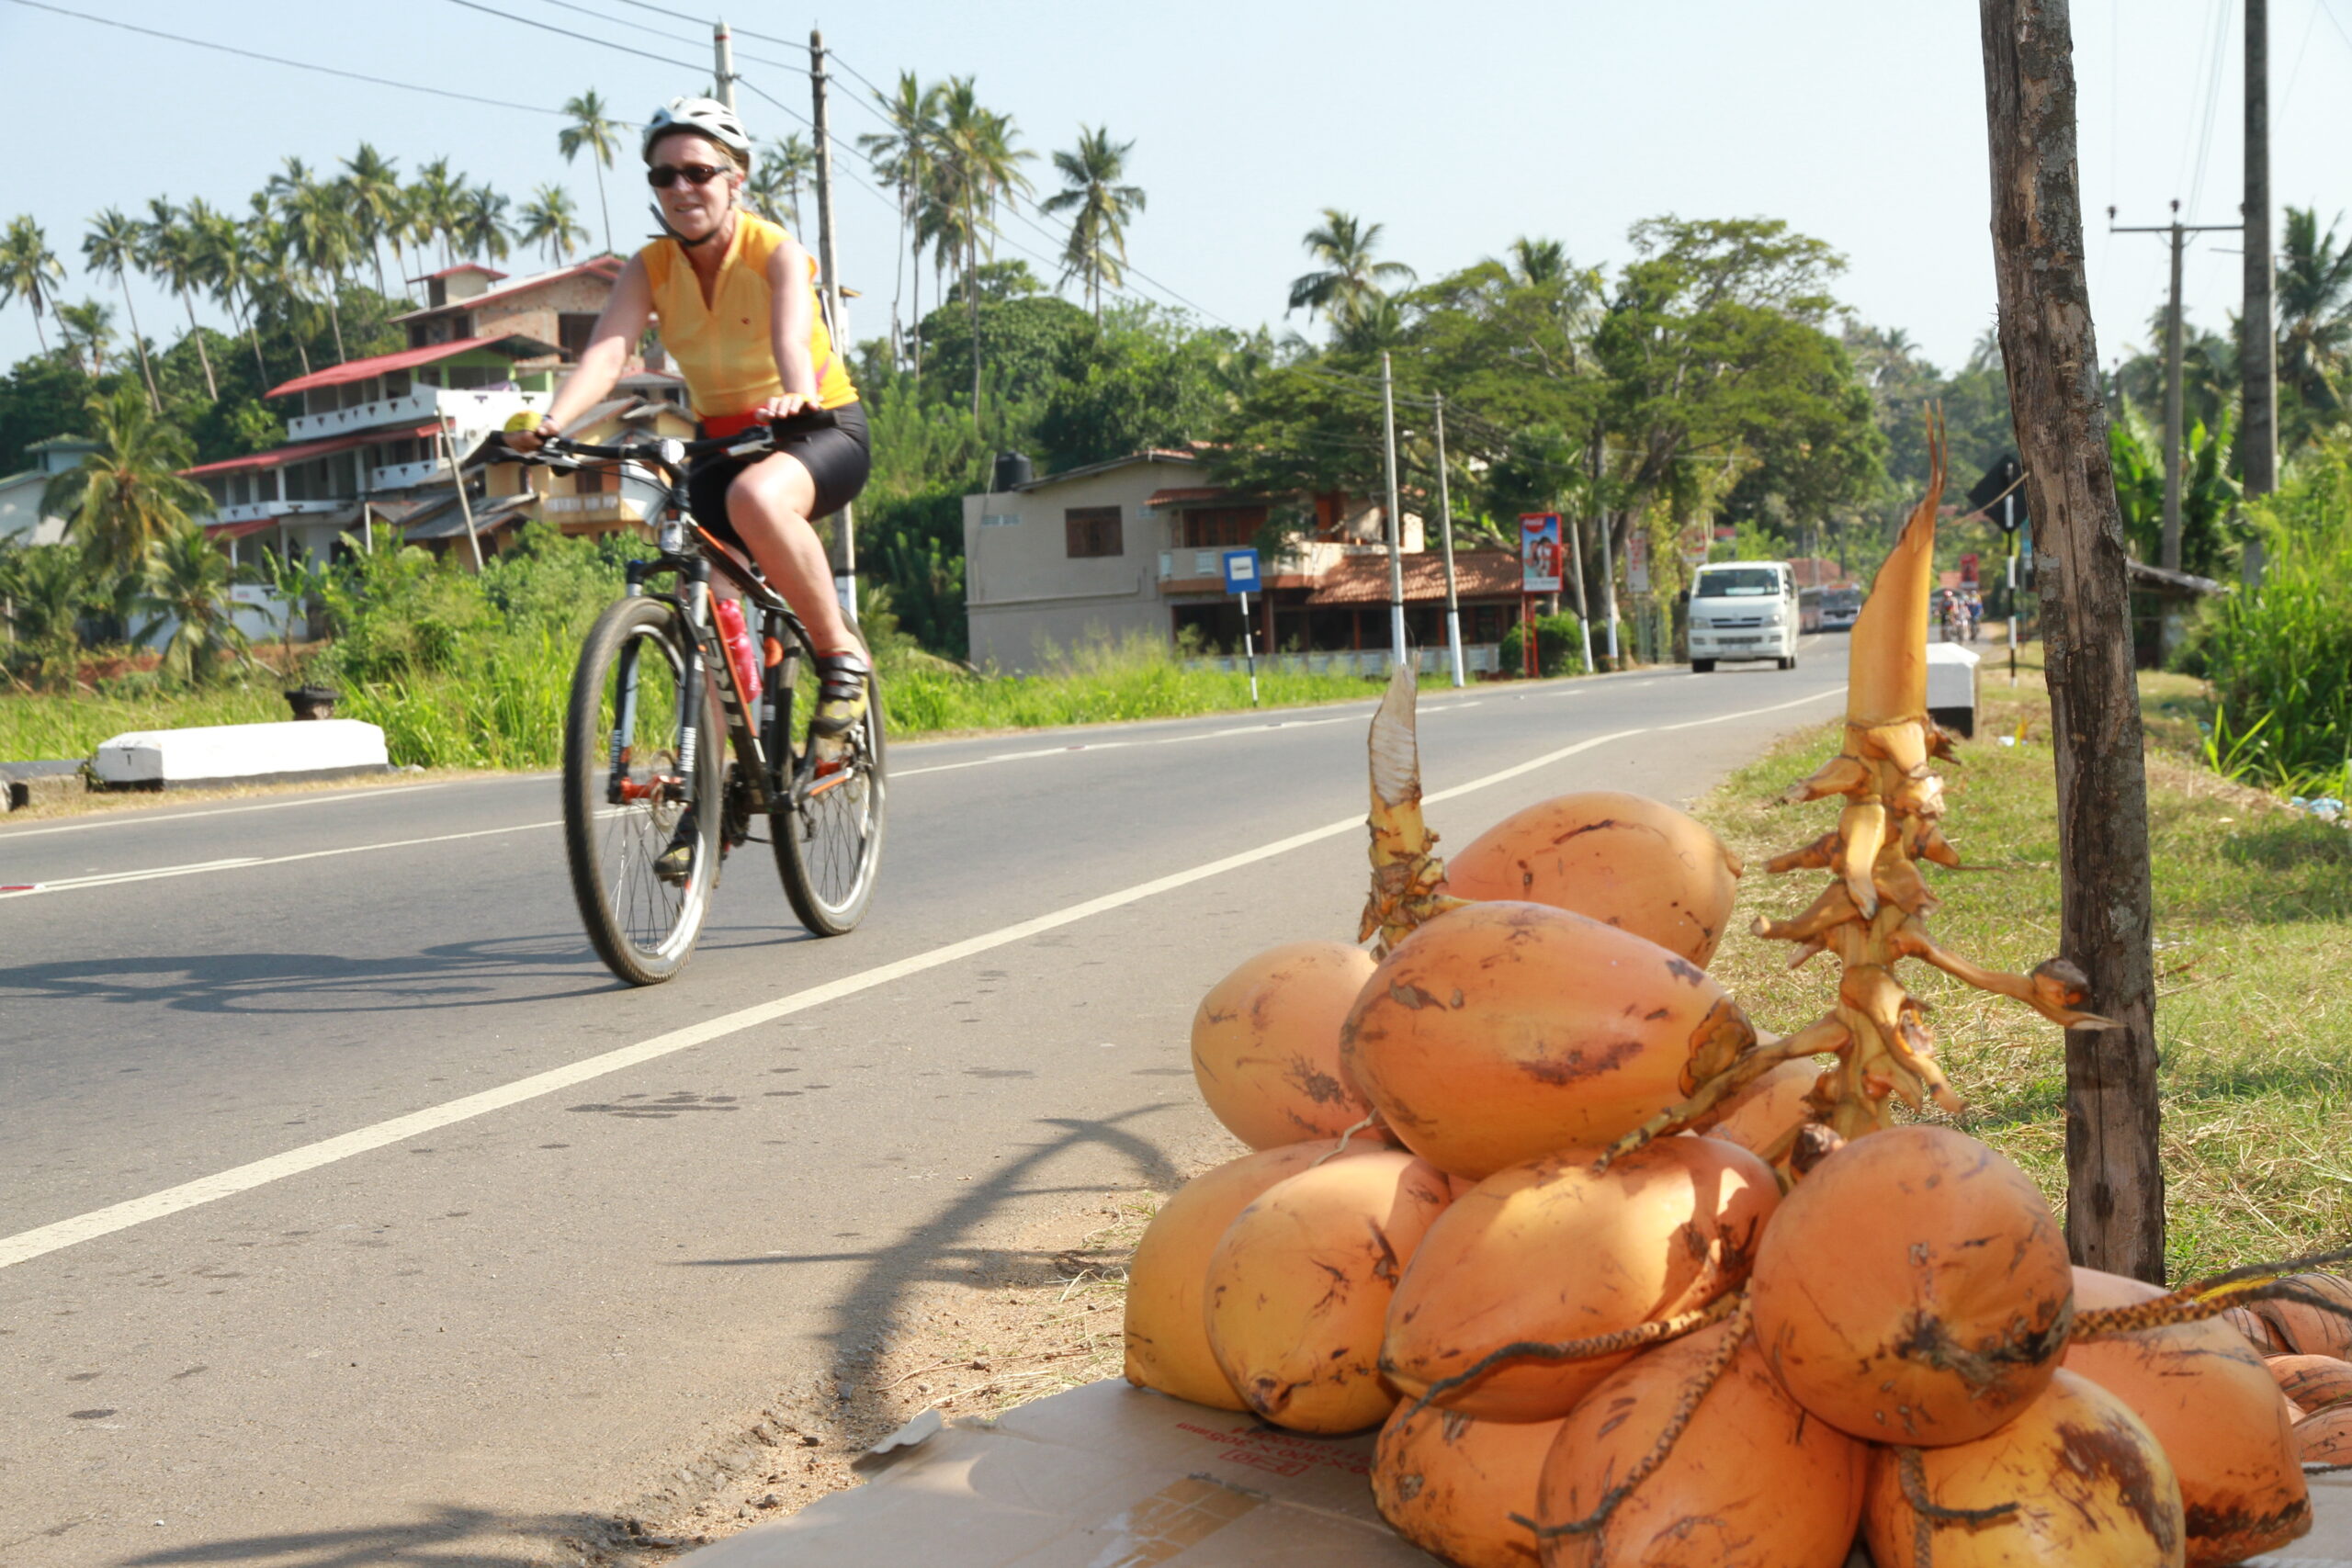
column 134, row 819
column 110, row 878
column 26, row 1246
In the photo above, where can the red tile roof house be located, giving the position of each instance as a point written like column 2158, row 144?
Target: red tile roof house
column 372, row 437
column 1134, row 546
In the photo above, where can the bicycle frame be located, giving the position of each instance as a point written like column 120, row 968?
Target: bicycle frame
column 691, row 554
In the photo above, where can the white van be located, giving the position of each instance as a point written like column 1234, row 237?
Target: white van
column 1743, row 609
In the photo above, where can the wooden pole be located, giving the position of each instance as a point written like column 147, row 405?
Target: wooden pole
column 2115, row 1213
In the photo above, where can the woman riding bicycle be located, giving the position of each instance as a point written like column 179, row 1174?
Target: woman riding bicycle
column 736, row 298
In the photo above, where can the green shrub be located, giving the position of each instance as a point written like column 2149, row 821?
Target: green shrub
column 1559, row 645
column 2279, row 655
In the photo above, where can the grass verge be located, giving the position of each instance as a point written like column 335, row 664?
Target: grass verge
column 509, row 712
column 2253, row 930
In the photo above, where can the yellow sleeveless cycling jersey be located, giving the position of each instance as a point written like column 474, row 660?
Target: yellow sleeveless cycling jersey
column 723, row 348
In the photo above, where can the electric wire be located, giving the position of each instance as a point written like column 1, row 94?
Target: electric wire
column 583, row 38
column 281, row 60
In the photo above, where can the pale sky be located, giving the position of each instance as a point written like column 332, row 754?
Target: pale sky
column 1459, row 127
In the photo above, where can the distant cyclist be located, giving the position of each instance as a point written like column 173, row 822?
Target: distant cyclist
column 736, row 297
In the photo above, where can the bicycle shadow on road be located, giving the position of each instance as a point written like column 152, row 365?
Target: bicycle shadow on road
column 942, row 1249
column 451, row 1537
column 453, row 974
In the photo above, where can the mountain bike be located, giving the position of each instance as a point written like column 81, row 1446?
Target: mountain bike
column 649, row 812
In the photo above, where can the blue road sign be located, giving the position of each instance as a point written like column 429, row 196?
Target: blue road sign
column 1241, row 571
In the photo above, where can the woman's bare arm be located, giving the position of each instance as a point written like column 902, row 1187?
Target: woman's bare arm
column 791, row 313
column 617, row 331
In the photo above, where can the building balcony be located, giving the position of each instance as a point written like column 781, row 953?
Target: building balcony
column 406, row 475
column 421, row 404
column 262, row 511
column 471, row 409
column 608, row 507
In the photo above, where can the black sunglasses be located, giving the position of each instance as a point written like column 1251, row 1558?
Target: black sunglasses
column 664, row 176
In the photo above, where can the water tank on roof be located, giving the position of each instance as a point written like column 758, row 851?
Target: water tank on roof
column 1012, row 470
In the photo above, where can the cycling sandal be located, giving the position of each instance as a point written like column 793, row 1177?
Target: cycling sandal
column 841, row 706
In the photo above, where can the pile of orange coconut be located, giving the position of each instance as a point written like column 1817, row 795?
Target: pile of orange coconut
column 1675, row 1355
column 1621, row 1281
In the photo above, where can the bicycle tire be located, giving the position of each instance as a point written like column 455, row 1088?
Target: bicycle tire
column 828, row 849
column 642, row 929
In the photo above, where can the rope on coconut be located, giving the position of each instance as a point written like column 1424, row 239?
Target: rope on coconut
column 1685, row 1408
column 1656, row 1332
column 1372, row 1118
column 1925, row 1513
column 2213, row 1296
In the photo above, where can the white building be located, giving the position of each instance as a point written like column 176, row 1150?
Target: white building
column 22, row 520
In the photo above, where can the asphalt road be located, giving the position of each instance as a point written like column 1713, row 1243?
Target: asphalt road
column 349, row 1212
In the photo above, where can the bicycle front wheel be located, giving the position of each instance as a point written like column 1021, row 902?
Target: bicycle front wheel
column 640, row 825
column 829, row 845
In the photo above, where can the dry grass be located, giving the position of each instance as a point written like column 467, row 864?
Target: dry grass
column 2253, row 930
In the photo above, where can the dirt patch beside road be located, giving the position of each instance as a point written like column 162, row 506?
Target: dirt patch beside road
column 1043, row 1314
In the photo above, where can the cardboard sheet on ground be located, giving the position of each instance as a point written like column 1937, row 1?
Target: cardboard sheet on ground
column 1104, row 1476
column 1108, row 1476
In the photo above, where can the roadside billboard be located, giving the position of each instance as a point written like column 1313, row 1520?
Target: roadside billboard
column 1541, row 558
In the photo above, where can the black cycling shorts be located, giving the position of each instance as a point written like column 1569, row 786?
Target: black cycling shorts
column 838, row 460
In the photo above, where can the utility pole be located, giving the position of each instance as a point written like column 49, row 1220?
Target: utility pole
column 829, row 269
column 2115, row 1182
column 1445, row 527
column 2173, row 329
column 722, row 51
column 1584, row 605
column 1396, row 520
column 2257, row 328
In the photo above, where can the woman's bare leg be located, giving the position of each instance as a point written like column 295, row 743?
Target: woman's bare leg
column 768, row 503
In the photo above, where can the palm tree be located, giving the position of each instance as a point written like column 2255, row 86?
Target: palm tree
column 184, row 584
column 982, row 169
column 44, row 593
column 89, row 329
column 1350, row 278
column 790, row 162
column 481, row 223
column 1100, row 206
column 29, row 270
column 432, row 203
column 320, row 236
column 2314, row 311
column 169, row 249
column 292, row 577
column 592, row 132
column 1534, row 262
column 113, row 245
column 901, row 157
column 371, row 190
column 128, row 493
column 224, row 264
column 550, row 220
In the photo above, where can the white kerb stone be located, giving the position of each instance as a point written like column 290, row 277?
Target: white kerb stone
column 1952, row 675
column 228, row 751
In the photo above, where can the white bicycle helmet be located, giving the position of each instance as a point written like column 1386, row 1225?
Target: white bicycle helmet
column 703, row 116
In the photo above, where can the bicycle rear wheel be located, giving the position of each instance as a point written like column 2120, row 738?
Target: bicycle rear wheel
column 640, row 830
column 830, row 845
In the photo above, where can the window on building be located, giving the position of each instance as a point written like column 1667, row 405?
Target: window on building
column 321, row 399
column 1222, row 528
column 1092, row 531
column 396, row 384
column 572, row 330
column 354, row 393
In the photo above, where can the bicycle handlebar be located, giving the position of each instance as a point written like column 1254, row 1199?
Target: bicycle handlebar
column 759, row 439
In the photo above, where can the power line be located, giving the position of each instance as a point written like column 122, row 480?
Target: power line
column 280, row 59
column 616, row 21
column 583, row 38
column 836, row 58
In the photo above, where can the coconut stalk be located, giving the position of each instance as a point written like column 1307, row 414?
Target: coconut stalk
column 1874, row 910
